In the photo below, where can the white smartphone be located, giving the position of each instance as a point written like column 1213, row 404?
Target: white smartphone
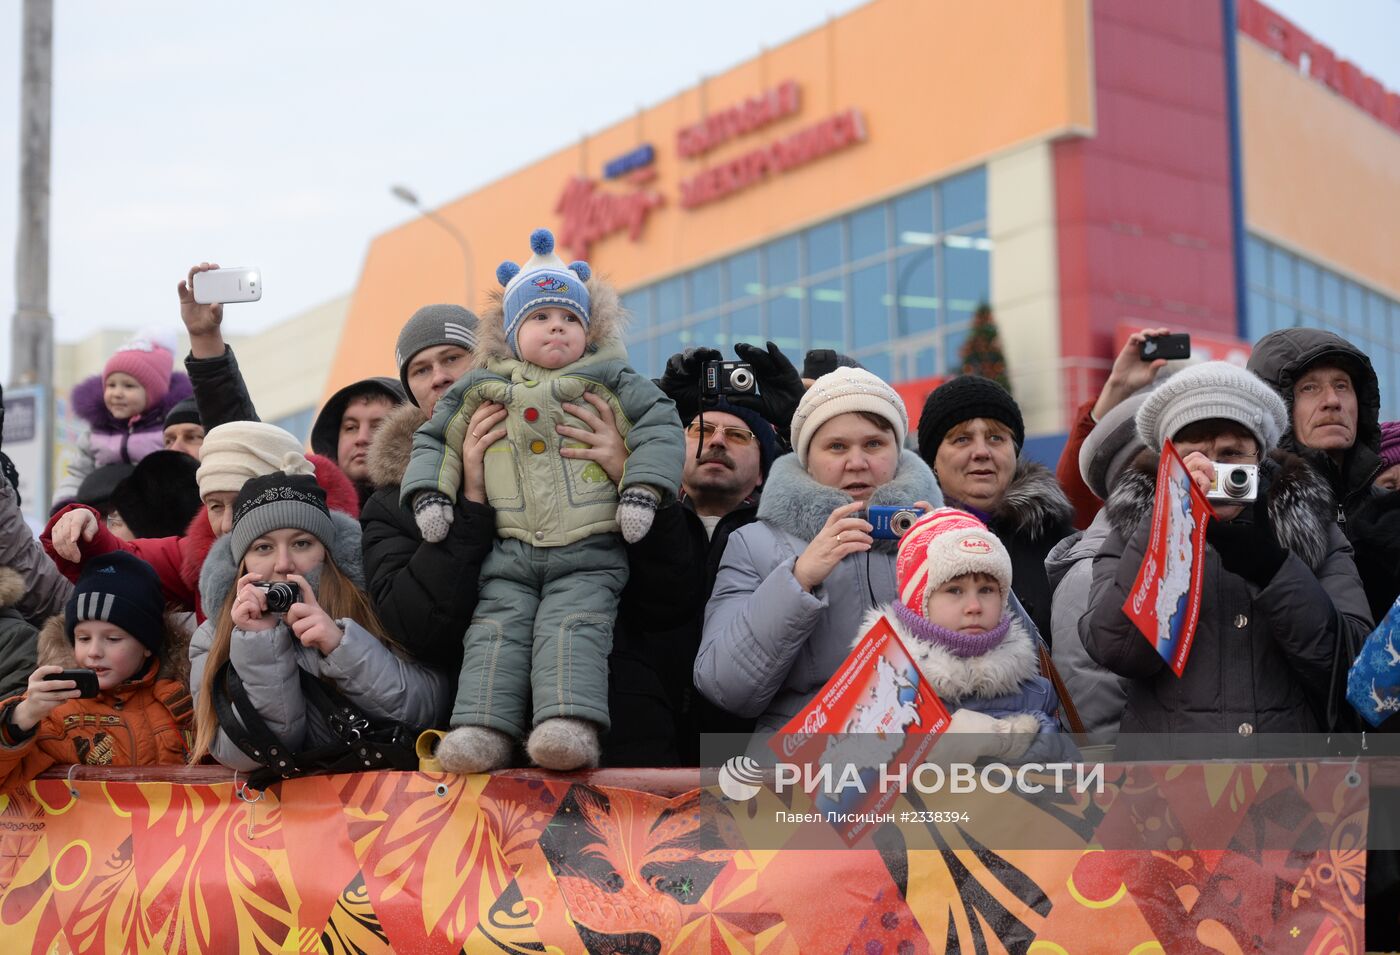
column 219, row 286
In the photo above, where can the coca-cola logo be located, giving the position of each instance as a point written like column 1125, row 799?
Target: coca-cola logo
column 590, row 214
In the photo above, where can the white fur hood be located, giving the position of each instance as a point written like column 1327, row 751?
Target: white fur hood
column 998, row 672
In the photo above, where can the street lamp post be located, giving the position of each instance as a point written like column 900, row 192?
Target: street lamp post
column 407, row 195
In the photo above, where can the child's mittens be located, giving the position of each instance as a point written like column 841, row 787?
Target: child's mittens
column 432, row 510
column 636, row 509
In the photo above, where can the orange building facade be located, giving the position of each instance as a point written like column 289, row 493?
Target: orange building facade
column 1081, row 167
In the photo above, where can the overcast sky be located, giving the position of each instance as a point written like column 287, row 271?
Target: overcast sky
column 268, row 134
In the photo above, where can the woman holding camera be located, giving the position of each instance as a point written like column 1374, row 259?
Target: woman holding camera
column 1281, row 600
column 794, row 586
column 285, row 591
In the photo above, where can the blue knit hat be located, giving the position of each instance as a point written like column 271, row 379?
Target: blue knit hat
column 542, row 281
column 123, row 590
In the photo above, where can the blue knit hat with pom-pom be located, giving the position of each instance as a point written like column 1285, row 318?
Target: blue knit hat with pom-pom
column 542, row 281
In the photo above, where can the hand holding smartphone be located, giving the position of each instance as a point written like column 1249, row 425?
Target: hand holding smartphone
column 1169, row 347
column 86, row 680
column 223, row 286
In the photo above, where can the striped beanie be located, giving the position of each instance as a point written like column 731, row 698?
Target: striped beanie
column 123, row 590
column 943, row 544
column 430, row 326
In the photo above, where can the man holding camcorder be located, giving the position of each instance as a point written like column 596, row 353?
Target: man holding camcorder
column 1279, row 593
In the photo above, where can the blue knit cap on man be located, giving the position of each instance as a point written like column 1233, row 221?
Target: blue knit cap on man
column 544, row 280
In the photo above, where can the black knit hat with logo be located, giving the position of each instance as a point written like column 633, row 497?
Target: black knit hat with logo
column 123, row 590
column 962, row 399
column 276, row 501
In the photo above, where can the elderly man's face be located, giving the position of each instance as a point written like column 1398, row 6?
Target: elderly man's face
column 1325, row 409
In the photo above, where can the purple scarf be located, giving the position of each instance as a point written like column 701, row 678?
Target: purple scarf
column 958, row 644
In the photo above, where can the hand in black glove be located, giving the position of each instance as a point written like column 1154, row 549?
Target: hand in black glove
column 1375, row 534
column 779, row 385
column 681, row 379
column 1247, row 545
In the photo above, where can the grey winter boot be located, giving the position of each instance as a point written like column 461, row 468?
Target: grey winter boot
column 474, row 749
column 563, row 743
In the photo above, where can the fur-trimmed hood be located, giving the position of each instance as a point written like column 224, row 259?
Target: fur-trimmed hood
column 86, row 401
column 1034, row 503
column 392, row 446
column 1300, row 502
column 220, row 571
column 793, row 501
column 607, row 322
column 55, row 650
column 11, row 587
column 998, row 672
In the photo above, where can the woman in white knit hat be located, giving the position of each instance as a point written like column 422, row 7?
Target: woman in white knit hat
column 230, row 455
column 1282, row 606
column 793, row 586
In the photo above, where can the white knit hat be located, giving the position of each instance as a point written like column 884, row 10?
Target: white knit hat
column 943, row 544
column 842, row 391
column 1213, row 389
column 234, row 452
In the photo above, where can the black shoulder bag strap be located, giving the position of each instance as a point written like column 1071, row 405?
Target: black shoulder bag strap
column 246, row 728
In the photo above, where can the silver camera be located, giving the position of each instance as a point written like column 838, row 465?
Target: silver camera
column 1234, row 483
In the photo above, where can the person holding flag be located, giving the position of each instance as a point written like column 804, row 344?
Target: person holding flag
column 1280, row 600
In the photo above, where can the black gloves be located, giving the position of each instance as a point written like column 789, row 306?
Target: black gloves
column 779, row 385
column 681, row 379
column 1246, row 545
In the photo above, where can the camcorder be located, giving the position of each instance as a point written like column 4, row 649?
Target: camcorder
column 725, row 379
column 281, row 594
column 1234, row 483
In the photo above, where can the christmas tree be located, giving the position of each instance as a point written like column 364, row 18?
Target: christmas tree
column 981, row 352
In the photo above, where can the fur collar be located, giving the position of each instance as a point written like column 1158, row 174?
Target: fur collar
column 998, row 672
column 11, row 587
column 86, row 401
column 392, row 446
column 607, row 321
column 1034, row 503
column 220, row 572
column 794, row 502
column 54, row 649
column 1299, row 501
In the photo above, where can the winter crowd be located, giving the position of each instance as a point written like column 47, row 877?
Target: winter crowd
column 525, row 544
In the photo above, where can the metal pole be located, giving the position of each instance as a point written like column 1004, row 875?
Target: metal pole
column 31, row 333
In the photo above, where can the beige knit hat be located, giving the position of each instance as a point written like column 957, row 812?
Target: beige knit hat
column 234, row 452
column 842, row 391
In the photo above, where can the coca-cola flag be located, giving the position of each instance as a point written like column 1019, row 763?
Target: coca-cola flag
column 1165, row 602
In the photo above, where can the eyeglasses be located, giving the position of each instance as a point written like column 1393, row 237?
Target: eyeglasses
column 738, row 436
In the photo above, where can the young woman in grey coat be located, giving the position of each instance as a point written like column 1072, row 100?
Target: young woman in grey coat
column 794, row 586
column 283, row 532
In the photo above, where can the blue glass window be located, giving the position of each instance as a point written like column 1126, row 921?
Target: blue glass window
column 1258, row 317
column 704, row 288
column 915, row 295
column 926, row 363
column 913, row 218
column 868, row 232
column 670, row 301
column 964, row 199
column 639, row 303
column 666, row 346
column 1256, row 263
column 952, row 351
column 783, row 264
column 743, row 275
column 785, row 323
column 870, row 306
column 706, row 334
column 745, row 325
column 826, row 313
column 878, row 364
column 967, row 279
column 1281, row 273
column 1331, row 296
column 823, row 247
column 1308, row 294
column 1355, row 307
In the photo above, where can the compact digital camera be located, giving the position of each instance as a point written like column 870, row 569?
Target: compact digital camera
column 721, row 379
column 1234, row 483
column 892, row 521
column 281, row 594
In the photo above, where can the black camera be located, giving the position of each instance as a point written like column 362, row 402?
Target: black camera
column 722, row 379
column 281, row 594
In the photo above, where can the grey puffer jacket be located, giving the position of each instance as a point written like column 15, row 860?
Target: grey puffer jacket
column 368, row 673
column 1263, row 660
column 1096, row 693
column 768, row 645
column 46, row 590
